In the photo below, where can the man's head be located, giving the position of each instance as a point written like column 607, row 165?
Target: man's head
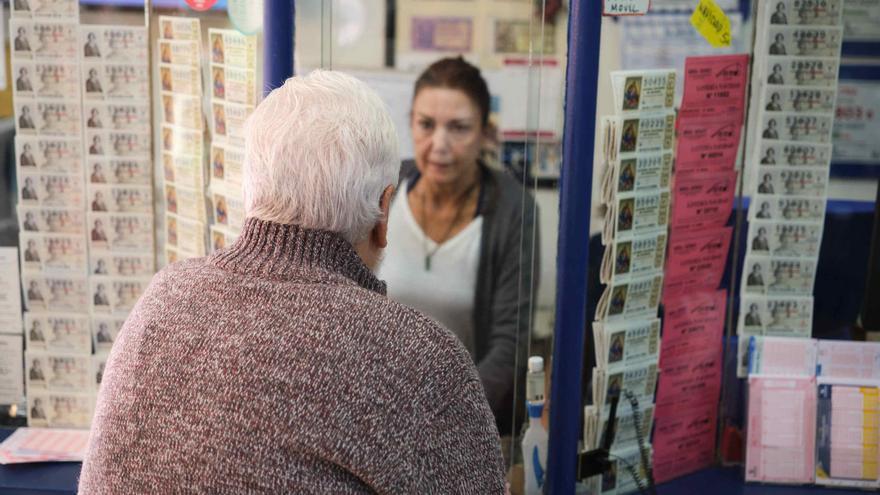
column 321, row 152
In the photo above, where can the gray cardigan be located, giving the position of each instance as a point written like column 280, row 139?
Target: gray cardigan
column 507, row 282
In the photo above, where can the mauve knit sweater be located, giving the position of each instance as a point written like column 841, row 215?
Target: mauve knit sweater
column 279, row 366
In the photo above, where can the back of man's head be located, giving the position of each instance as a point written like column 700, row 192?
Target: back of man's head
column 319, row 152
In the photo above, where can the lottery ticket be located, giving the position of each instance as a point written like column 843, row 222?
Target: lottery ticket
column 181, row 141
column 796, row 127
column 636, row 297
column 619, row 345
column 119, row 171
column 802, row 71
column 120, row 199
column 183, row 171
column 233, row 85
column 798, row 99
column 105, row 329
column 182, row 110
column 180, row 79
column 222, row 237
column 121, row 264
column 772, row 275
column 641, row 134
column 118, row 144
column 227, row 121
column 131, row 117
column 640, row 379
column 99, row 364
column 179, row 52
column 616, row 478
column 52, row 253
column 789, row 239
column 634, row 257
column 61, row 410
column 638, row 173
column 179, row 28
column 44, row 79
column 185, row 235
column 114, row 294
column 58, row 332
column 229, row 47
column 643, row 91
column 43, row 40
column 187, row 203
column 792, row 181
column 803, row 12
column 51, row 220
column 634, row 214
column 811, row 41
column 56, row 293
column 113, row 43
column 48, row 155
column 128, row 232
column 786, row 208
column 226, row 164
column 50, row 190
column 47, row 118
column 115, row 81
column 625, row 433
column 782, row 316
column 45, row 9
column 794, row 154
column 228, row 209
column 781, row 356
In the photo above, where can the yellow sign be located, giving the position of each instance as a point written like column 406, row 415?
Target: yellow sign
column 712, row 23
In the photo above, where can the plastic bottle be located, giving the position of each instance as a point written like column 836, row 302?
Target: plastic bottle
column 534, row 443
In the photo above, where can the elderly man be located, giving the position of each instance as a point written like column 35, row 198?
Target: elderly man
column 277, row 365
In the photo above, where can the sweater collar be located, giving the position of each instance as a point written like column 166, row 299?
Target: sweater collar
column 275, row 250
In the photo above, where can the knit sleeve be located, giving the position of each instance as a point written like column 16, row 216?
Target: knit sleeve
column 457, row 447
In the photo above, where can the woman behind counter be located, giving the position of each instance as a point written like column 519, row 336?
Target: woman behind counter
column 461, row 234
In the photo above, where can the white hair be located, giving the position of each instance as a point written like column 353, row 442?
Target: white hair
column 319, row 152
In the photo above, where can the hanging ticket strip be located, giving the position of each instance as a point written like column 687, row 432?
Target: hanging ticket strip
column 85, row 198
column 181, row 141
column 797, row 56
column 637, row 164
column 709, row 129
column 233, row 97
column 813, row 412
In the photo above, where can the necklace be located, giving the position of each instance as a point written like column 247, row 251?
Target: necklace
column 429, row 254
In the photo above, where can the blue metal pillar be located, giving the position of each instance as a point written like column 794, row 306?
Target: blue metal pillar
column 576, row 184
column 278, row 39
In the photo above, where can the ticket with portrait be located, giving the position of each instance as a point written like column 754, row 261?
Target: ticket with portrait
column 790, row 239
column 185, row 235
column 798, row 99
column 634, row 257
column 780, row 316
column 179, row 28
column 52, row 253
column 48, row 155
column 105, row 329
column 61, row 410
column 801, row 71
column 619, row 345
column 126, row 116
column 180, row 79
column 696, row 259
column 112, row 264
column 222, row 237
column 113, row 43
column 803, row 12
column 58, row 332
column 792, row 181
column 45, row 9
column 226, row 164
column 638, row 173
column 115, row 81
column 707, row 145
column 50, row 190
column 116, row 294
column 229, row 47
column 639, row 134
column 185, row 202
column 798, row 127
column 233, row 85
column 625, row 433
column 118, row 144
column 46, row 79
column 128, row 232
column 787, row 208
column 182, row 110
column 51, row 220
column 633, row 214
column 55, row 293
column 227, row 121
column 183, row 171
column 637, row 91
column 635, row 297
column 775, row 276
column 702, row 201
column 99, row 365
column 810, row 41
column 794, row 154
column 47, row 118
column 640, row 379
column 120, row 171
column 228, row 208
column 182, row 141
column 179, row 52
column 43, row 39
column 120, row 199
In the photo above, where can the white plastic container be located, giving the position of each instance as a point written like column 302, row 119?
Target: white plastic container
column 534, row 449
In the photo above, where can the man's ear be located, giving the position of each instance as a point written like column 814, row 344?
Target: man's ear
column 380, row 231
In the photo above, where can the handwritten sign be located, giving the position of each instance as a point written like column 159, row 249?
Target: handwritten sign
column 625, row 7
column 712, row 23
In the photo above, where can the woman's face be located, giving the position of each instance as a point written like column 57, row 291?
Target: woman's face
column 447, row 133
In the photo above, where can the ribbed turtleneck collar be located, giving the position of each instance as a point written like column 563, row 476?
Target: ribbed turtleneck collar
column 276, row 250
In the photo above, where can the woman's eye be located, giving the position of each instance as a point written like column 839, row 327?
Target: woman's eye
column 459, row 128
column 426, row 125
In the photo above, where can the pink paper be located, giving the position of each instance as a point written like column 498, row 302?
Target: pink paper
column 692, row 322
column 696, row 260
column 781, row 440
column 707, row 145
column 702, row 201
column 693, row 378
column 714, row 86
column 684, row 439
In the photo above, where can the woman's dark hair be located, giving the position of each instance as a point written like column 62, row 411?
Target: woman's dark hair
column 456, row 73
